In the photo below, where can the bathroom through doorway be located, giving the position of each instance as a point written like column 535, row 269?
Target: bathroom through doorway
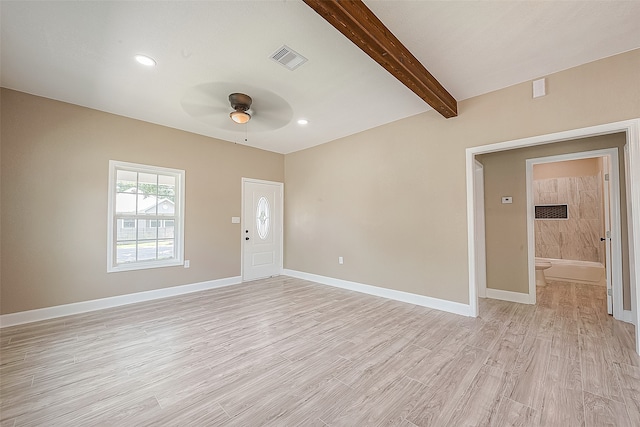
column 574, row 221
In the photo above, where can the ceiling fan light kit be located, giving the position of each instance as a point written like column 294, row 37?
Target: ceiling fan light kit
column 240, row 103
column 240, row 117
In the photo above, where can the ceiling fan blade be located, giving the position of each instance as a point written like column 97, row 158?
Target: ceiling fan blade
column 273, row 119
column 209, row 103
column 202, row 110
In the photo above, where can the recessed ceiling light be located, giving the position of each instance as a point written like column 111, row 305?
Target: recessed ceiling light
column 145, row 60
column 303, row 121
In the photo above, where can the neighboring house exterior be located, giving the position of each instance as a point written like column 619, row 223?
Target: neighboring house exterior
column 155, row 207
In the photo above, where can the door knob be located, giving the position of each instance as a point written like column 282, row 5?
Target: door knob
column 602, row 239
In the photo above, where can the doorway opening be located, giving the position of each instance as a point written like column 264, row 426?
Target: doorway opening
column 574, row 222
column 631, row 131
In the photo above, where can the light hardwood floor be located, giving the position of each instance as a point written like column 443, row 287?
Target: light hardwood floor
column 287, row 352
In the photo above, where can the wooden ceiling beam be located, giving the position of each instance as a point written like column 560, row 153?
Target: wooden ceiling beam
column 358, row 23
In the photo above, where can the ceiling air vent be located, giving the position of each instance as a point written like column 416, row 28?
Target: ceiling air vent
column 288, row 58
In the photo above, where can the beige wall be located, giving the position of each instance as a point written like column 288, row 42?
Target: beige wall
column 505, row 174
column 54, row 200
column 392, row 200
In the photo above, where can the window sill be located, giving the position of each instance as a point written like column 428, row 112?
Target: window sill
column 144, row 266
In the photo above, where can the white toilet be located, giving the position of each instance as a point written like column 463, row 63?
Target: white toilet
column 541, row 266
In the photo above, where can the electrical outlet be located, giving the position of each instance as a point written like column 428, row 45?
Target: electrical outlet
column 340, row 260
column 187, row 263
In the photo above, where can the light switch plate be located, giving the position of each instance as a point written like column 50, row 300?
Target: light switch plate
column 507, row 199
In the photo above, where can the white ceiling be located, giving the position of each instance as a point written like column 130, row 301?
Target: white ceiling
column 82, row 53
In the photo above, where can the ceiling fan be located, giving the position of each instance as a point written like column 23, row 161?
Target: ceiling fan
column 224, row 105
column 240, row 104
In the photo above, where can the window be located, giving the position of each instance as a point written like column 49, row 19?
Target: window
column 263, row 218
column 146, row 217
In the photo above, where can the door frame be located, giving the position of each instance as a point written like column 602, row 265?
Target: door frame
column 615, row 268
column 607, row 188
column 243, row 221
column 481, row 260
column 631, row 128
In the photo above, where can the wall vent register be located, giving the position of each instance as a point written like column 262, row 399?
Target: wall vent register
column 552, row 212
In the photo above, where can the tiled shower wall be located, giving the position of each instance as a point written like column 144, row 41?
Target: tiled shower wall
column 576, row 238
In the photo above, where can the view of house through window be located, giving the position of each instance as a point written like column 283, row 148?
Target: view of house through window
column 144, row 214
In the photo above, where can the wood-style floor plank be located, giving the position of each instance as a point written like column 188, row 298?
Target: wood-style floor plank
column 600, row 411
column 562, row 403
column 630, row 382
column 527, row 381
column 513, row 414
column 598, row 373
column 480, row 403
column 288, row 352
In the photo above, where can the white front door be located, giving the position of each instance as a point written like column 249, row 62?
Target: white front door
column 261, row 229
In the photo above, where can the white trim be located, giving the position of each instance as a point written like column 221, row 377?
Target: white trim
column 632, row 129
column 606, row 187
column 611, row 154
column 243, row 220
column 421, row 300
column 627, row 316
column 19, row 318
column 531, row 242
column 480, row 239
column 633, row 219
column 471, row 233
column 179, row 203
column 518, row 297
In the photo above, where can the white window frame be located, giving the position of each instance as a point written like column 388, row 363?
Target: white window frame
column 178, row 229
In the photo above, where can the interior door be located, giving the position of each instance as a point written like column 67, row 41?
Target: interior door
column 606, row 239
column 261, row 229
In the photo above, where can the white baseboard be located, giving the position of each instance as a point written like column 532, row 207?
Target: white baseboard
column 511, row 296
column 627, row 316
column 19, row 318
column 435, row 303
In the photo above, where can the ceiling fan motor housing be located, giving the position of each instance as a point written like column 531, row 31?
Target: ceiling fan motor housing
column 240, row 101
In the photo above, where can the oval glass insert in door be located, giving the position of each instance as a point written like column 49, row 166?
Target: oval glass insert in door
column 263, row 218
